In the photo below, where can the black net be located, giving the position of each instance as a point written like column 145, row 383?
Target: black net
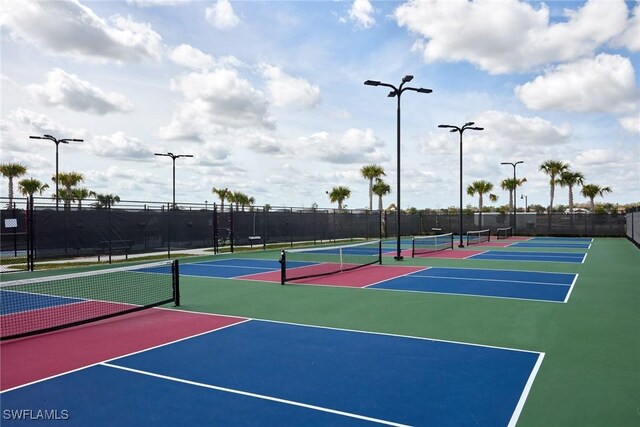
column 321, row 261
column 476, row 237
column 422, row 245
column 504, row 233
column 44, row 304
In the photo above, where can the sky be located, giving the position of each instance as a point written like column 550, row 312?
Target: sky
column 268, row 96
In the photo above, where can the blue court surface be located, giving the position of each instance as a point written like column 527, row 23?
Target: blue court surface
column 551, row 244
column 263, row 373
column 528, row 285
column 561, row 239
column 229, row 268
column 573, row 257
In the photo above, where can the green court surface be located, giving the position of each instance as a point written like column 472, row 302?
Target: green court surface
column 590, row 375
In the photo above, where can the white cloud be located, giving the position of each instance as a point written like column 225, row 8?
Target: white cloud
column 361, row 13
column 353, row 146
column 605, row 83
column 221, row 15
column 631, row 123
column 190, row 57
column 71, row 29
column 595, row 157
column 213, row 101
column 630, row 38
column 152, row 3
column 511, row 37
column 69, row 91
column 285, row 90
column 118, row 146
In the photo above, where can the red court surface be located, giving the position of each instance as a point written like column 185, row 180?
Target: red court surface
column 496, row 243
column 33, row 358
column 359, row 278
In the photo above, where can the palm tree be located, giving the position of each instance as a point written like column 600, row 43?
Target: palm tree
column 481, row 188
column 339, row 194
column 371, row 172
column 223, row 194
column 554, row 169
column 104, row 200
column 380, row 188
column 12, row 170
column 30, row 186
column 510, row 185
column 591, row 191
column 68, row 180
column 79, row 194
column 569, row 179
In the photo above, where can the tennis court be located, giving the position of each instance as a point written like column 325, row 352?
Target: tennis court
column 570, row 257
column 270, row 373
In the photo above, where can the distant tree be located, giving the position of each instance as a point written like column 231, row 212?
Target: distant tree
column 79, row 194
column 570, row 179
column 223, row 194
column 371, row 172
column 510, row 185
column 30, row 186
column 380, row 189
column 339, row 194
column 554, row 169
column 104, row 200
column 591, row 191
column 537, row 208
column 10, row 171
column 481, row 188
column 68, row 180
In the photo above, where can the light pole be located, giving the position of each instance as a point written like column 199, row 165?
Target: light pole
column 173, row 157
column 526, row 202
column 469, row 126
column 397, row 91
column 515, row 185
column 57, row 142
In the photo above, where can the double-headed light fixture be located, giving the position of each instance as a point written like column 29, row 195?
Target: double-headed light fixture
column 515, row 185
column 173, row 157
column 57, row 142
column 397, row 92
column 466, row 126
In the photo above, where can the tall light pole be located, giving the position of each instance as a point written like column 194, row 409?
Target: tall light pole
column 173, row 157
column 526, row 202
column 515, row 185
column 57, row 142
column 469, row 126
column 397, row 91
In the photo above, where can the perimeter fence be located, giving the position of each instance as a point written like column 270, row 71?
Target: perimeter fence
column 633, row 225
column 34, row 230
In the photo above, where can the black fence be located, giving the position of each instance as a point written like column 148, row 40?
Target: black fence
column 633, row 226
column 40, row 232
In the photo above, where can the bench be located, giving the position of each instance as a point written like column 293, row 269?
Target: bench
column 116, row 246
column 254, row 240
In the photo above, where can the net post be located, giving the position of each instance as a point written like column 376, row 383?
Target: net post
column 231, row 233
column 413, row 247
column 283, row 267
column 380, row 252
column 215, row 229
column 175, row 272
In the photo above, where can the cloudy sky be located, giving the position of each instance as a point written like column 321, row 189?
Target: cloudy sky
column 268, row 96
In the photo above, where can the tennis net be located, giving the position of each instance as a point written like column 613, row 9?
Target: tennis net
column 299, row 264
column 421, row 245
column 44, row 304
column 475, row 237
column 504, row 233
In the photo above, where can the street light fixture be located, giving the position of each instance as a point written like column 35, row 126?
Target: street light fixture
column 515, row 185
column 466, row 126
column 173, row 157
column 397, row 91
column 526, row 202
column 57, row 142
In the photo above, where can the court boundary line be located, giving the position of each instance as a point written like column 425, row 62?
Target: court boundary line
column 494, row 280
column 241, row 320
column 525, row 392
column 255, row 395
column 472, row 257
column 575, row 280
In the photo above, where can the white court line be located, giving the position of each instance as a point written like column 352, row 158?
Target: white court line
column 566, row 299
column 478, row 279
column 257, row 396
column 525, row 392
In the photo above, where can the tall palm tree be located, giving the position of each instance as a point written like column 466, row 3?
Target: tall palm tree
column 481, row 187
column 223, row 194
column 380, row 188
column 554, row 169
column 371, row 172
column 12, row 170
column 510, row 185
column 569, row 179
column 30, row 186
column 68, row 180
column 339, row 194
column 79, row 194
column 591, row 191
column 104, row 200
